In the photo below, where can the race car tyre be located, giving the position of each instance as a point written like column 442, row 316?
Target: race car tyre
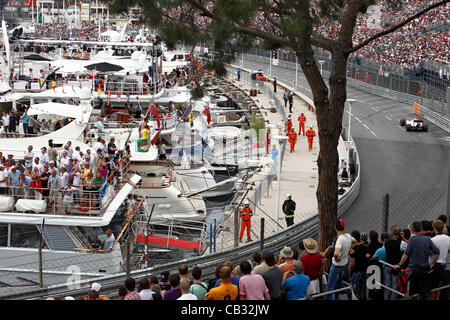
column 425, row 128
column 408, row 127
column 402, row 122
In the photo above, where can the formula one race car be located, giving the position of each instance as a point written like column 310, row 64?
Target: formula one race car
column 414, row 125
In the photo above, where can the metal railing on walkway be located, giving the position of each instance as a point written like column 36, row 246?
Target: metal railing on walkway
column 407, row 295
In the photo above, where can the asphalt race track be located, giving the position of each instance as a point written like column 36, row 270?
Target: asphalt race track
column 412, row 167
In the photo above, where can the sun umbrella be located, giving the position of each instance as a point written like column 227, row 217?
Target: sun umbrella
column 104, row 67
column 36, row 57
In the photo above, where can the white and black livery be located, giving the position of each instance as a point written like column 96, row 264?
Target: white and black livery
column 414, row 125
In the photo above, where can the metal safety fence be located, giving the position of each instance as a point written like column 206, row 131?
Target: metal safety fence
column 428, row 83
column 401, row 208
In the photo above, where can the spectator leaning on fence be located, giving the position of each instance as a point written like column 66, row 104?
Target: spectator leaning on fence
column 442, row 242
column 393, row 257
column 418, row 251
column 340, row 258
column 359, row 259
column 380, row 254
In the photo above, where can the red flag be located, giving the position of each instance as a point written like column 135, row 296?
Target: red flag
column 208, row 114
column 155, row 113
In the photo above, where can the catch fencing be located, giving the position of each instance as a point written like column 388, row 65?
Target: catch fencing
column 400, row 209
column 428, row 85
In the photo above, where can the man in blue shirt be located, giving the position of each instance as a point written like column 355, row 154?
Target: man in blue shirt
column 295, row 283
column 25, row 118
column 108, row 244
column 274, row 152
column 14, row 181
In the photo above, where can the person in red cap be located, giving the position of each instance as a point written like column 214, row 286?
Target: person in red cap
column 340, row 258
column 11, row 160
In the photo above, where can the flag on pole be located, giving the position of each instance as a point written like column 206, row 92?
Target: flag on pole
column 188, row 111
column 155, row 113
column 208, row 114
column 191, row 118
column 190, row 115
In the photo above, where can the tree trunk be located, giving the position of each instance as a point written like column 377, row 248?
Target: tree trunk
column 328, row 162
column 328, row 132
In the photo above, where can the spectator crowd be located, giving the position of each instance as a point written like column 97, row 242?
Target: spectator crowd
column 62, row 179
column 425, row 38
column 415, row 257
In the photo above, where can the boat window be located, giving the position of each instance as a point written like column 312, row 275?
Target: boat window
column 3, row 235
column 24, row 236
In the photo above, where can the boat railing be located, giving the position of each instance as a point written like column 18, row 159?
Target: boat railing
column 20, row 134
column 128, row 214
column 118, row 124
column 167, row 121
column 132, row 87
column 117, row 88
column 86, row 200
column 82, row 202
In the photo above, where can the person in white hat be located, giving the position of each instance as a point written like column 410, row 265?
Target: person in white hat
column 289, row 209
column 286, row 260
column 245, row 214
column 97, row 287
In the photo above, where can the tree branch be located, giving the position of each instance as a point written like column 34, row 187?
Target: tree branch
column 397, row 26
column 322, row 42
column 240, row 27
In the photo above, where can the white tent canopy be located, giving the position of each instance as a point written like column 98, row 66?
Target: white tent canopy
column 59, row 109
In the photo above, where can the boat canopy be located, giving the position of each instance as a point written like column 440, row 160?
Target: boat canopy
column 58, row 109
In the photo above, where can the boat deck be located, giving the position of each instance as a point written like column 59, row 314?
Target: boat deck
column 154, row 182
